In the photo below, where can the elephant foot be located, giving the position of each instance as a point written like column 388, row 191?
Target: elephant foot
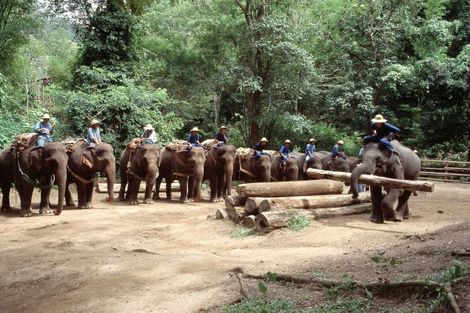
column 89, row 206
column 156, row 197
column 6, row 208
column 26, row 213
column 214, row 200
column 57, row 211
column 185, row 200
column 82, row 206
column 148, row 201
column 133, row 202
column 197, row 200
column 45, row 210
column 376, row 219
column 393, row 217
column 71, row 204
column 120, row 198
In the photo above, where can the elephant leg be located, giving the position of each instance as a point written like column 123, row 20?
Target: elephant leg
column 184, row 188
column 402, row 207
column 81, row 194
column 44, row 205
column 156, row 195
column 220, row 185
column 122, row 190
column 68, row 196
column 168, row 183
column 89, row 195
column 6, row 199
column 376, row 196
column 148, row 192
column 26, row 197
column 387, row 206
column 213, row 186
column 133, row 190
column 191, row 188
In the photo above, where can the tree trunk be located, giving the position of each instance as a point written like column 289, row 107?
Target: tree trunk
column 234, row 200
column 345, row 210
column 253, row 112
column 236, row 214
column 290, row 188
column 311, row 202
column 249, row 221
column 374, row 180
column 221, row 214
column 252, row 205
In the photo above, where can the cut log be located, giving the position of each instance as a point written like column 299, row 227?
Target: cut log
column 271, row 220
column 249, row 221
column 236, row 213
column 415, row 185
column 103, row 187
column 221, row 214
column 234, row 200
column 252, row 205
column 311, row 202
column 290, row 188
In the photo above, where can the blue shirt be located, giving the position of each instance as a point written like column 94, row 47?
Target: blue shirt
column 284, row 149
column 221, row 137
column 39, row 129
column 150, row 136
column 310, row 149
column 193, row 139
column 259, row 147
column 93, row 135
column 337, row 150
column 386, row 129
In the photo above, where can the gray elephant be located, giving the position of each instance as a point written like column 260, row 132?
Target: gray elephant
column 333, row 164
column 6, row 181
column 311, row 163
column 84, row 162
column 185, row 162
column 401, row 164
column 252, row 169
column 139, row 162
column 288, row 172
column 218, row 169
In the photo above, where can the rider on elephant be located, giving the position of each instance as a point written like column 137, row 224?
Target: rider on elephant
column 194, row 138
column 44, row 130
column 222, row 135
column 259, row 147
column 310, row 152
column 149, row 135
column 382, row 132
column 338, row 150
column 94, row 133
column 284, row 151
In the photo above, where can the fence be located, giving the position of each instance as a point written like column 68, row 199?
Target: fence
column 445, row 171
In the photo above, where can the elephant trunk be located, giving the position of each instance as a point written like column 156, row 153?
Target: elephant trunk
column 110, row 173
column 61, row 180
column 365, row 167
column 198, row 176
column 228, row 176
column 152, row 173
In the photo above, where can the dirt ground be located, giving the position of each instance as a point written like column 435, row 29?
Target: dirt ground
column 172, row 257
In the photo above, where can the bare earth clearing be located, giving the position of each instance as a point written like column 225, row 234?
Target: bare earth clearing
column 170, row 257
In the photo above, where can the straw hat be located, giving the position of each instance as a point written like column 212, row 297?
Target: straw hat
column 94, row 122
column 340, row 142
column 194, row 129
column 263, row 139
column 312, row 139
column 223, row 127
column 46, row 116
column 148, row 127
column 287, row 141
column 378, row 119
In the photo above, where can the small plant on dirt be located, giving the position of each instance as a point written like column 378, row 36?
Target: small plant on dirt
column 242, row 232
column 298, row 222
column 259, row 306
column 383, row 261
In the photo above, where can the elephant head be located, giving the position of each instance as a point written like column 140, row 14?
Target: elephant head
column 190, row 161
column 289, row 172
column 262, row 168
column 148, row 157
column 101, row 159
column 224, row 158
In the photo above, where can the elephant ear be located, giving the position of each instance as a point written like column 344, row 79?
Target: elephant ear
column 35, row 155
column 87, row 159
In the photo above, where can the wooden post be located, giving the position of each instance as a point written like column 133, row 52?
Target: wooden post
column 415, row 185
column 290, row 188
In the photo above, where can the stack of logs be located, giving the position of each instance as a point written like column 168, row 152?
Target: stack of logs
column 269, row 206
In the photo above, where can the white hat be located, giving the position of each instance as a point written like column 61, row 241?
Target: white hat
column 340, row 142
column 94, row 121
column 287, row 141
column 263, row 139
column 46, row 116
column 148, row 127
column 379, row 119
column 223, row 127
column 312, row 139
column 194, row 129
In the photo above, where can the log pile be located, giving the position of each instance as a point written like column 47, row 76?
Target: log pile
column 270, row 206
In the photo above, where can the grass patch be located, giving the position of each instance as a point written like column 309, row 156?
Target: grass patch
column 298, row 222
column 242, row 232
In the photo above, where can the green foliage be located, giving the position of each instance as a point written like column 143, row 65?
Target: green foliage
column 298, row 222
column 242, row 232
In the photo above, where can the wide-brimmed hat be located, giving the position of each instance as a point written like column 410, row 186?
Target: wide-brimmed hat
column 194, row 129
column 340, row 142
column 94, row 122
column 287, row 141
column 46, row 116
column 148, row 127
column 263, row 139
column 223, row 127
column 379, row 119
column 312, row 139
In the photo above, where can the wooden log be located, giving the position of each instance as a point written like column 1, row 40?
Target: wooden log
column 374, row 180
column 103, row 187
column 221, row 214
column 236, row 213
column 234, row 200
column 271, row 220
column 249, row 221
column 252, row 205
column 311, row 202
column 290, row 188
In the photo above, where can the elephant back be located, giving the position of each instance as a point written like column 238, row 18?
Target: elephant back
column 24, row 141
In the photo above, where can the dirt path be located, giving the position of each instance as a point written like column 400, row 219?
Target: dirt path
column 170, row 257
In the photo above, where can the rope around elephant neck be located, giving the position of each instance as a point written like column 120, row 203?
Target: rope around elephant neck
column 79, row 178
column 31, row 181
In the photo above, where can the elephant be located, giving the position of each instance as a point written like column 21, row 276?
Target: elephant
column 139, row 161
column 6, row 181
column 185, row 162
column 84, row 162
column 39, row 167
column 218, row 169
column 401, row 164
column 288, row 172
column 251, row 169
column 329, row 163
column 311, row 163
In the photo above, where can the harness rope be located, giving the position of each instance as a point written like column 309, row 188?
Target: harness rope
column 31, row 181
column 79, row 178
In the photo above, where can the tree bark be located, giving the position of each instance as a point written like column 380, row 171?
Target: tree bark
column 234, row 200
column 311, row 202
column 236, row 213
column 252, row 205
column 374, row 180
column 249, row 221
column 291, row 188
column 221, row 214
